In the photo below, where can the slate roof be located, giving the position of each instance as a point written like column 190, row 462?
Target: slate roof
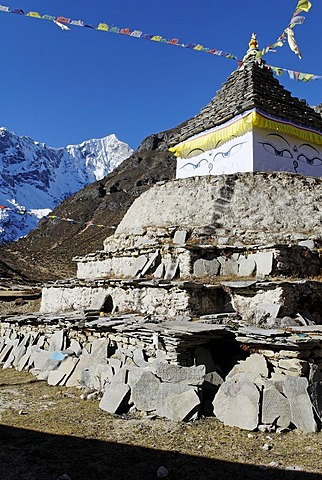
column 252, row 86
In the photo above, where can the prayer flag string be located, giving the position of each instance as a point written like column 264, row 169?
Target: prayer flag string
column 302, row 6
column 63, row 23
column 23, row 211
column 288, row 33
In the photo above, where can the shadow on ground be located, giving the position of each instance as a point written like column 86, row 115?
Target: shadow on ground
column 31, row 455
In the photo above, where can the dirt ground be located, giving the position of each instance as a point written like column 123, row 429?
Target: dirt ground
column 48, row 431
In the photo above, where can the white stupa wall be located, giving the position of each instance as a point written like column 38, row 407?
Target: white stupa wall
column 236, row 155
column 259, row 150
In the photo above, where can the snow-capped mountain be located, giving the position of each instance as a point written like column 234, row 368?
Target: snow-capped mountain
column 35, row 178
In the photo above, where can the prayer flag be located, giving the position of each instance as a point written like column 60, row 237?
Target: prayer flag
column 63, row 19
column 102, row 26
column 34, row 14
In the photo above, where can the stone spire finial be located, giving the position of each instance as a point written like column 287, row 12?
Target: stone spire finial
column 253, row 44
column 253, row 52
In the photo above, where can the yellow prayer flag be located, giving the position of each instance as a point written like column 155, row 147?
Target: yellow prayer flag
column 102, row 26
column 198, row 47
column 303, row 6
column 34, row 14
column 156, row 38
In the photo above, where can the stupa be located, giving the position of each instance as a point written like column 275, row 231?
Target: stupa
column 208, row 297
column 244, row 220
column 252, row 125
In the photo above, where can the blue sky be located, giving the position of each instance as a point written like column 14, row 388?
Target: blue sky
column 65, row 87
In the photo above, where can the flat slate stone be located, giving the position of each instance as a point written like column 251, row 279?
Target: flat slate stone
column 264, row 263
column 23, row 362
column 171, row 270
column 183, row 406
column 255, row 364
column 237, row 403
column 63, row 372
column 175, row 373
column 150, row 262
column 180, row 237
column 57, row 341
column 138, row 265
column 168, row 392
column 75, row 378
column 275, row 407
column 296, row 390
column 246, row 267
column 159, row 272
column 203, row 267
column 114, row 396
column 146, row 392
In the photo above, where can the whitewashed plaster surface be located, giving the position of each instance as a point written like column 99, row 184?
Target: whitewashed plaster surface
column 260, row 150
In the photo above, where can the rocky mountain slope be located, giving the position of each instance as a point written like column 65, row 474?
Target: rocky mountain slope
column 35, row 178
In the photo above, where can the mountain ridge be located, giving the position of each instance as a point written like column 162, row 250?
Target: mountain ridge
column 35, row 178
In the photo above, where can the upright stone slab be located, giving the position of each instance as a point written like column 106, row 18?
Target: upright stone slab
column 264, row 263
column 138, row 265
column 171, row 270
column 57, row 341
column 246, row 267
column 183, row 406
column 296, row 390
column 180, row 237
column 237, row 403
column 275, row 407
column 146, row 392
column 255, row 364
column 114, row 396
column 63, row 372
column 206, row 267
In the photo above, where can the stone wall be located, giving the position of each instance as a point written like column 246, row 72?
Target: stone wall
column 179, row 370
column 249, row 208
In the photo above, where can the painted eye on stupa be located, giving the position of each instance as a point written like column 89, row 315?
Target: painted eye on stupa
column 189, row 167
column 229, row 153
column 194, row 152
column 274, row 151
column 315, row 161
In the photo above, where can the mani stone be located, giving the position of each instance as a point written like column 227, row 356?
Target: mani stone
column 63, row 372
column 138, row 265
column 56, row 342
column 114, row 396
column 296, row 390
column 146, row 392
column 255, row 364
column 203, row 267
column 175, row 373
column 264, row 263
column 237, row 403
column 246, row 267
column 180, row 237
column 171, row 270
column 183, row 406
column 275, row 407
column 166, row 398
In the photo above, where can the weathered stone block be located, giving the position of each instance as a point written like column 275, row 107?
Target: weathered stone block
column 302, row 417
column 237, row 403
column 146, row 392
column 175, row 373
column 114, row 397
